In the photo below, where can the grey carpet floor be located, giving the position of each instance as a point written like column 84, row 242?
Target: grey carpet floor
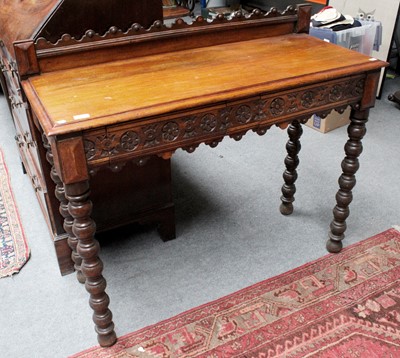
column 230, row 233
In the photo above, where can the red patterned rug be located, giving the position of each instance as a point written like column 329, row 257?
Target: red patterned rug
column 14, row 251
column 342, row 305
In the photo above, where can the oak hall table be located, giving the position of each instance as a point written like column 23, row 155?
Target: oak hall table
column 169, row 88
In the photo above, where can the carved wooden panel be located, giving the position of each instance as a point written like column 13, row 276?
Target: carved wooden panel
column 114, row 32
column 76, row 16
column 70, row 164
column 188, row 130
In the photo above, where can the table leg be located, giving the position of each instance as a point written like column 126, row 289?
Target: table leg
column 293, row 147
column 68, row 224
column 68, row 220
column 84, row 228
column 166, row 226
column 347, row 180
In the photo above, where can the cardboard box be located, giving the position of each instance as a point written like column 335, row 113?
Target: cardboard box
column 332, row 121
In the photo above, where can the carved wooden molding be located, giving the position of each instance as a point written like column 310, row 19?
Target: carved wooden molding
column 114, row 33
column 303, row 25
column 70, row 154
column 25, row 57
column 210, row 126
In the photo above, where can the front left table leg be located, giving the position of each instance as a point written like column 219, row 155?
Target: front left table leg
column 353, row 148
column 293, row 147
column 59, row 193
column 84, row 228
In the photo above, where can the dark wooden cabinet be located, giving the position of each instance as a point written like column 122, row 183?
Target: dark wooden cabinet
column 144, row 196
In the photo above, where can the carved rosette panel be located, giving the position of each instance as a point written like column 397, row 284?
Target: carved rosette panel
column 168, row 133
column 129, row 141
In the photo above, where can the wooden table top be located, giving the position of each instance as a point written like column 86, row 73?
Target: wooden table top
column 113, row 92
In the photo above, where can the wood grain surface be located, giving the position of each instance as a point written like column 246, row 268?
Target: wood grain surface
column 148, row 86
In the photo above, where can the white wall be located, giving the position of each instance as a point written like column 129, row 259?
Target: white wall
column 384, row 11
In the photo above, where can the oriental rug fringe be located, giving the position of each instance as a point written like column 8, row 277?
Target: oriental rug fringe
column 342, row 305
column 14, row 251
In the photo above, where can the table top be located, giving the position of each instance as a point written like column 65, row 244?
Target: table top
column 110, row 93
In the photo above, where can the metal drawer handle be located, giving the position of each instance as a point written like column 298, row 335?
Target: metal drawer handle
column 14, row 69
column 3, row 66
column 35, row 183
column 18, row 139
column 14, row 103
column 28, row 140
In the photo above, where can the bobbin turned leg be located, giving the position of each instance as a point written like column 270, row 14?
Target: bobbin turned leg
column 293, row 147
column 84, row 228
column 347, row 180
column 67, row 225
column 166, row 226
column 68, row 220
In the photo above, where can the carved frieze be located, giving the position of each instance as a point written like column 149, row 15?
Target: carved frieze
column 277, row 106
column 244, row 114
column 150, row 135
column 129, row 141
column 168, row 133
column 208, row 122
column 190, row 128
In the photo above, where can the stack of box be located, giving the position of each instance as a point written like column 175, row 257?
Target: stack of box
column 363, row 39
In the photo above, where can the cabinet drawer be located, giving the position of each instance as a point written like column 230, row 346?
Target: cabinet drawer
column 9, row 69
column 30, row 165
column 36, row 181
column 24, row 136
column 28, row 148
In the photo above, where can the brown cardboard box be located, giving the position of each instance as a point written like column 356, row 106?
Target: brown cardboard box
column 332, row 121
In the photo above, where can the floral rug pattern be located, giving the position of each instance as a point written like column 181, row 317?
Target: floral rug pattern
column 14, row 251
column 342, row 305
